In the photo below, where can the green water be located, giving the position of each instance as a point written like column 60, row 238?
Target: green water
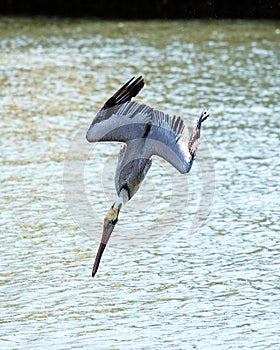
column 194, row 261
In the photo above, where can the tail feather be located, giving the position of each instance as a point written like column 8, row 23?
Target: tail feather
column 126, row 92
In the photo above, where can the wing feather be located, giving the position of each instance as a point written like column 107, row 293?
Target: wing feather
column 166, row 136
column 121, row 123
column 126, row 92
column 168, row 139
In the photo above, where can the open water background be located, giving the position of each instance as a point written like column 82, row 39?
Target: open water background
column 194, row 262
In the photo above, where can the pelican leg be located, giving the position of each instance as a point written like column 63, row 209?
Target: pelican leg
column 203, row 116
column 195, row 135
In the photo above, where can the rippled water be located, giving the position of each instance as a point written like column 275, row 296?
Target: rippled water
column 194, row 261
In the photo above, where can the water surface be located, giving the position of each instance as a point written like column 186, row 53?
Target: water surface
column 194, row 262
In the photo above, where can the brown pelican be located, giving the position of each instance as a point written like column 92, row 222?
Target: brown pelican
column 144, row 132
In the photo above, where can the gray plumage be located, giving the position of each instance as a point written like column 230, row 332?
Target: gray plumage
column 145, row 132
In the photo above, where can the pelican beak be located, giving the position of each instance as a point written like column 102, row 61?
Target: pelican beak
column 108, row 227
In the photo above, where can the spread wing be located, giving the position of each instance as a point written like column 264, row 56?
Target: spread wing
column 166, row 136
column 121, row 123
column 119, row 119
column 169, row 139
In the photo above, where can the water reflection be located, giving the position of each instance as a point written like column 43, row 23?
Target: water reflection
column 214, row 286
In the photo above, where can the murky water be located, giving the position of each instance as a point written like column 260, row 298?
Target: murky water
column 194, row 262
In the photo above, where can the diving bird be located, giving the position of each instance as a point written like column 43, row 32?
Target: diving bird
column 144, row 132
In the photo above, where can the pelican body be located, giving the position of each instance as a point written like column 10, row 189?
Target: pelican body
column 143, row 132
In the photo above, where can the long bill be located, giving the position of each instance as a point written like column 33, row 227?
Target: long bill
column 109, row 224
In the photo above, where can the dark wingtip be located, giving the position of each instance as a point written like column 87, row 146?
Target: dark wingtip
column 130, row 89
